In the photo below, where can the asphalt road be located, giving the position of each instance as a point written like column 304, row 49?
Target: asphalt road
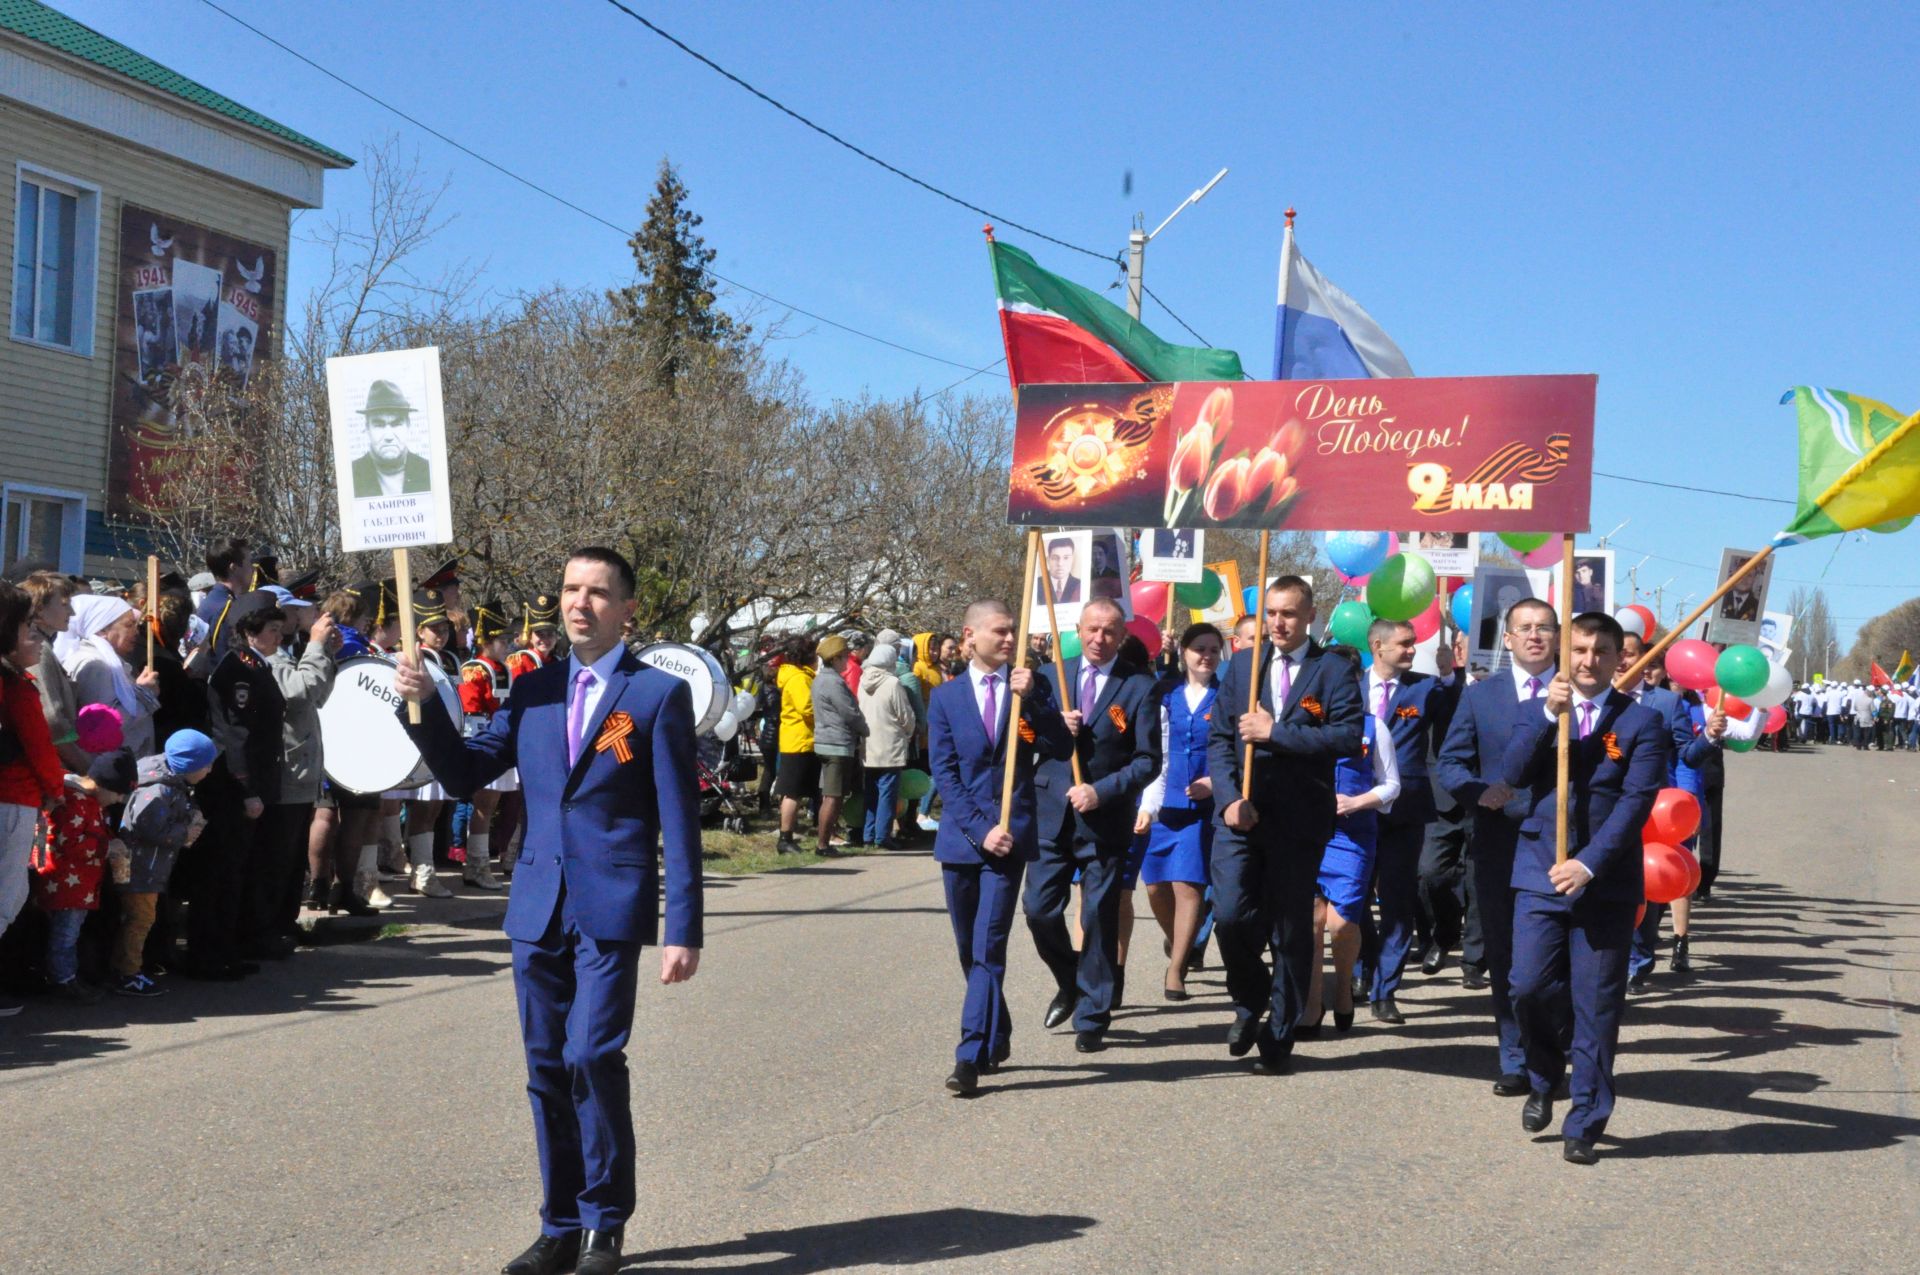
column 360, row 1109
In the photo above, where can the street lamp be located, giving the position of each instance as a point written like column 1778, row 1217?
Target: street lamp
column 1138, row 239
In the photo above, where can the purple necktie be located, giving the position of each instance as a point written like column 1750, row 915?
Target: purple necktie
column 1533, row 689
column 577, row 717
column 1286, row 683
column 1586, row 719
column 1386, row 693
column 989, row 710
column 1088, row 689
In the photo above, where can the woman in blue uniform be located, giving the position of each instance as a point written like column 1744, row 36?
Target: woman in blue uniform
column 1176, row 810
column 1363, row 787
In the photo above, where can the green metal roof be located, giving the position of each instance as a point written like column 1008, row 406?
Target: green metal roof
column 44, row 25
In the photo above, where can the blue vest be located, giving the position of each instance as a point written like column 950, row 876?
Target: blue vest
column 1187, row 731
column 1353, row 776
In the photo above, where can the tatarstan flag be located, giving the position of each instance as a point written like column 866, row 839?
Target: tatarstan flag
column 1059, row 332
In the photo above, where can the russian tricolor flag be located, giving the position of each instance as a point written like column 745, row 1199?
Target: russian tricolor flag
column 1322, row 333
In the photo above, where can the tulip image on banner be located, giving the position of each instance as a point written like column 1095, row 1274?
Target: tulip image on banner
column 1859, row 464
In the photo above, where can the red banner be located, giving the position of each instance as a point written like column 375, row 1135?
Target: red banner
column 1469, row 453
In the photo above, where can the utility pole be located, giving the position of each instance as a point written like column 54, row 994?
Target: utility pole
column 1139, row 237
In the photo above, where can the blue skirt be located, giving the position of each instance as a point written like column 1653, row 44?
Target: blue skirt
column 1346, row 873
column 1180, row 846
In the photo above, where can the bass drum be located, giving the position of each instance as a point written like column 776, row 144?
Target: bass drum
column 366, row 748
column 701, row 672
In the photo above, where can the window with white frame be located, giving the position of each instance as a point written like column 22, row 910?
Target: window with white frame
column 43, row 526
column 56, row 233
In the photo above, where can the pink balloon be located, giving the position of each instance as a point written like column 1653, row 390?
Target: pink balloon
column 1357, row 582
column 1776, row 719
column 1148, row 633
column 1427, row 623
column 1150, row 599
column 1546, row 555
column 1690, row 664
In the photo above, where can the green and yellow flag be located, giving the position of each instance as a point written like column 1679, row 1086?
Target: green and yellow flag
column 1904, row 669
column 1859, row 465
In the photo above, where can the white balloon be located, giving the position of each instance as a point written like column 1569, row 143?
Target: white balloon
column 723, row 729
column 1632, row 621
column 742, row 705
column 1778, row 689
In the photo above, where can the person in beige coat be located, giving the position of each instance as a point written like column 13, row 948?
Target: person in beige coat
column 891, row 724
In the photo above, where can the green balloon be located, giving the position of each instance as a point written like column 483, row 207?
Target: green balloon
column 1349, row 623
column 1069, row 644
column 1892, row 525
column 1524, row 541
column 915, row 784
column 1202, row 594
column 1741, row 745
column 1402, row 588
column 1741, row 670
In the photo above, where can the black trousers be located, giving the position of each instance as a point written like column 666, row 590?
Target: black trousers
column 1445, row 882
column 1263, row 890
column 1708, row 844
column 215, row 869
column 278, row 868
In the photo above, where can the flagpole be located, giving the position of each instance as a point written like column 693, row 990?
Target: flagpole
column 1653, row 652
column 1253, row 679
column 1280, row 315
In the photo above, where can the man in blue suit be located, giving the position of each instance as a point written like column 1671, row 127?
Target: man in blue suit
column 605, row 749
column 1573, row 920
column 1114, row 717
column 1469, row 767
column 1266, row 848
column 982, row 855
column 1406, row 704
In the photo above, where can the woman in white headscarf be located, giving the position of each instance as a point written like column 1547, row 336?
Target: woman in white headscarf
column 94, row 651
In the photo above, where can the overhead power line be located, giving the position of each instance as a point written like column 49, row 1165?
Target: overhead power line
column 1703, row 491
column 623, row 231
column 838, row 140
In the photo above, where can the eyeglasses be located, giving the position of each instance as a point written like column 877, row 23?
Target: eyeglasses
column 1534, row 630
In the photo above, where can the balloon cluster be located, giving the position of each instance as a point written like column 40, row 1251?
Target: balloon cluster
column 1737, row 681
column 1671, row 871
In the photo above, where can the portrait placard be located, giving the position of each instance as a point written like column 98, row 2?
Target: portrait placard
column 390, row 449
column 1735, row 618
column 1173, row 555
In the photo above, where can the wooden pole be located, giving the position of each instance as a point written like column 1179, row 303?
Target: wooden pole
column 1253, row 679
column 409, row 640
column 1019, row 658
column 153, row 601
column 1059, row 660
column 1565, row 728
column 1653, row 652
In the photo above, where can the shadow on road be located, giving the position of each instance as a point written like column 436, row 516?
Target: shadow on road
column 897, row 1239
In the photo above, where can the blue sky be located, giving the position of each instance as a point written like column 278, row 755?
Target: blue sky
column 1704, row 204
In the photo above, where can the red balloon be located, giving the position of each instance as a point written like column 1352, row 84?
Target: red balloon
column 1731, row 705
column 1150, row 599
column 1690, row 664
column 1675, row 817
column 1652, row 624
column 1776, row 719
column 1693, row 870
column 1144, row 629
column 1639, row 916
column 1427, row 623
column 1667, row 874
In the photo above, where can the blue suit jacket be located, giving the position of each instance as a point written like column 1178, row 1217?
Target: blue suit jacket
column 1470, row 760
column 1419, row 706
column 596, row 827
column 1119, row 761
column 1293, row 767
column 968, row 772
column 1687, row 754
column 1609, row 795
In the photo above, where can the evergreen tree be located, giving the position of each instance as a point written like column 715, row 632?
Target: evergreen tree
column 671, row 304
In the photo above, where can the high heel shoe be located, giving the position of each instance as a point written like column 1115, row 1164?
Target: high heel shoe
column 1343, row 1022
column 1310, row 1031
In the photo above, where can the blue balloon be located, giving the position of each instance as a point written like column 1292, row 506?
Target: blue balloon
column 1358, row 553
column 1250, row 601
column 1462, row 606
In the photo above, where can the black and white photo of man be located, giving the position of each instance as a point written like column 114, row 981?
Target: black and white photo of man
column 389, row 466
column 1062, row 559
column 1172, row 543
column 1107, row 582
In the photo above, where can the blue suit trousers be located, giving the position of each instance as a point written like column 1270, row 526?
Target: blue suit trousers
column 576, row 1012
column 1493, row 895
column 1570, row 981
column 1049, row 886
column 1263, row 890
column 1396, row 883
column 981, row 898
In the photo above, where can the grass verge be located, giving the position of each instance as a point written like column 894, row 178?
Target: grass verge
column 736, row 854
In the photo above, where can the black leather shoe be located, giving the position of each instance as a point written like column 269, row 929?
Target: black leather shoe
column 1240, row 1036
column 548, row 1255
column 1580, row 1151
column 1059, row 1009
column 964, row 1080
column 1511, row 1085
column 1342, row 1022
column 1388, row 1012
column 1637, row 985
column 1274, row 1062
column 599, row 1253
column 1537, row 1114
column 1089, row 1042
column 1680, row 963
column 1434, row 960
column 1474, row 979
